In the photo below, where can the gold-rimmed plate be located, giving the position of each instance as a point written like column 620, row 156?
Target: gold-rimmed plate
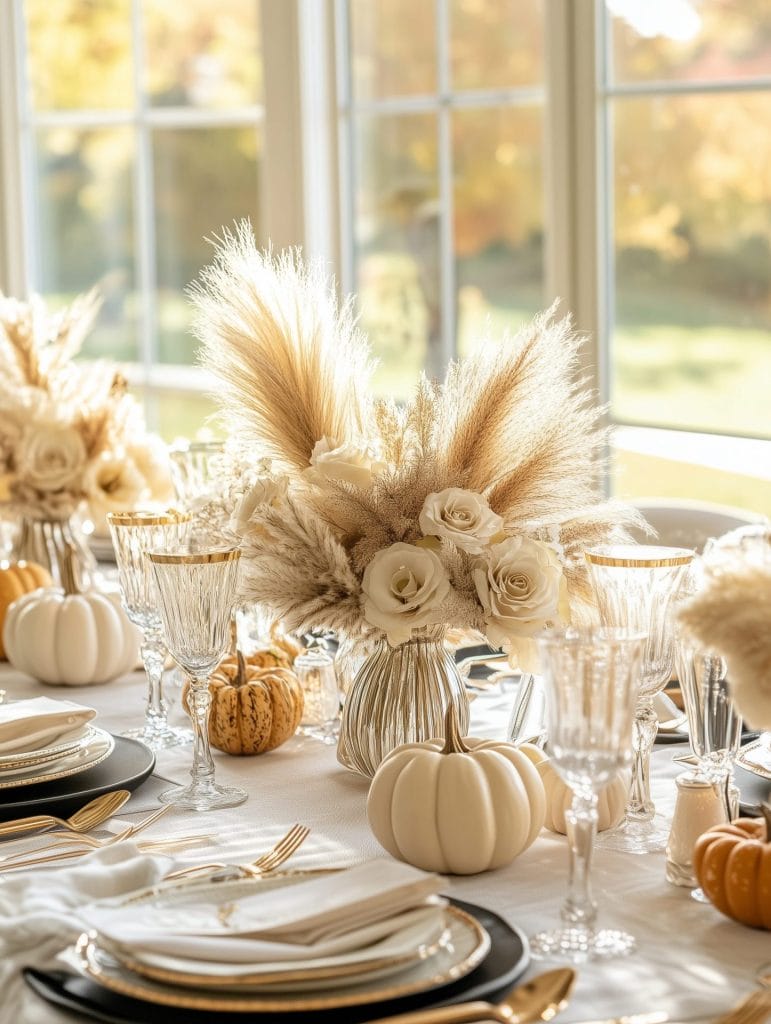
column 466, row 946
column 93, row 753
column 30, row 758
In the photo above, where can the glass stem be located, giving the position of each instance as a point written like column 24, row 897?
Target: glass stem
column 579, row 909
column 640, row 806
column 153, row 653
column 199, row 702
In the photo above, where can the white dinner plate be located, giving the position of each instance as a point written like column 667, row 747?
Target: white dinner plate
column 28, row 758
column 99, row 747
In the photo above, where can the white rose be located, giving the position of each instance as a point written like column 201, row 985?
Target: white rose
column 51, row 458
column 404, row 587
column 464, row 517
column 354, row 463
column 112, row 484
column 520, row 586
column 151, row 458
column 266, row 490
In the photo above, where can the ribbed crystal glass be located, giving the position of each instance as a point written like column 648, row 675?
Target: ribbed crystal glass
column 590, row 678
column 635, row 586
column 133, row 534
column 196, row 469
column 197, row 596
column 400, row 695
column 714, row 726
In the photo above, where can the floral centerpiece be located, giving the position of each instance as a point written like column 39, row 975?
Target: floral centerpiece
column 468, row 507
column 71, row 436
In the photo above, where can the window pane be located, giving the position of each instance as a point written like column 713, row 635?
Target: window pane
column 397, row 234
column 498, row 219
column 496, row 43
column 393, row 48
column 178, row 414
column 692, row 342
column 690, row 39
column 84, row 209
column 204, row 178
column 79, row 53
column 201, row 54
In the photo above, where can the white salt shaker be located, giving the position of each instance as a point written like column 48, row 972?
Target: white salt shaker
column 700, row 805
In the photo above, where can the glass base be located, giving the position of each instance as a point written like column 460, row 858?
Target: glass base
column 578, row 945
column 204, row 796
column 699, row 895
column 636, row 836
column 329, row 733
column 161, row 739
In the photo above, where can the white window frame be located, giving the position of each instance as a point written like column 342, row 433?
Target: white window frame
column 281, row 200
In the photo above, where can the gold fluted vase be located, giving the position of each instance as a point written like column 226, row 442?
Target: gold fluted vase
column 58, row 545
column 400, row 695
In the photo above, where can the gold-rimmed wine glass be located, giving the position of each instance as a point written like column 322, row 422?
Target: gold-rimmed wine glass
column 196, row 469
column 590, row 678
column 635, row 586
column 197, row 595
column 133, row 534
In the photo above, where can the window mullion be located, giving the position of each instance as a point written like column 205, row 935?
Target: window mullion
column 449, row 336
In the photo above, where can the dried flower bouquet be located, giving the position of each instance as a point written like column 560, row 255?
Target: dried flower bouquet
column 69, row 432
column 468, row 507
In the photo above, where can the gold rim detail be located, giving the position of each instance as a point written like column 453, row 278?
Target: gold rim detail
column 678, row 556
column 168, row 518
column 198, row 558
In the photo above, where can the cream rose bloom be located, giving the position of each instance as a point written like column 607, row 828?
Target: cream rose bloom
column 112, row 484
column 51, row 457
column 266, row 490
column 464, row 517
column 352, row 462
column 520, row 586
column 151, row 458
column 404, row 587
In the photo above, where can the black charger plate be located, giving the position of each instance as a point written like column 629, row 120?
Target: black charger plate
column 507, row 960
column 127, row 767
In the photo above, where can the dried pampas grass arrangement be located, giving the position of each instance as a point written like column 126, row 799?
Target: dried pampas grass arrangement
column 380, row 519
column 732, row 615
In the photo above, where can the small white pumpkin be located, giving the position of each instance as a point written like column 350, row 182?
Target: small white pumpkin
column 611, row 803
column 70, row 639
column 458, row 806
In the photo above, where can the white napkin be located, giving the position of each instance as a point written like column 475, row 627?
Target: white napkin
column 306, row 920
column 27, row 725
column 39, row 917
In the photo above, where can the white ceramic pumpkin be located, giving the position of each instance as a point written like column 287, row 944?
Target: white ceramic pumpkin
column 456, row 805
column 70, row 639
column 611, row 803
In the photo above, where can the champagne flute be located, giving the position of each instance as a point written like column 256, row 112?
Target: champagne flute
column 635, row 586
column 197, row 596
column 591, row 678
column 133, row 534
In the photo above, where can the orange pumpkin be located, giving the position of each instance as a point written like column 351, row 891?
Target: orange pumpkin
column 253, row 709
column 733, row 865
column 15, row 581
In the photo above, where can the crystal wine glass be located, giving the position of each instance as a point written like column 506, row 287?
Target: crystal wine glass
column 635, row 586
column 133, row 534
column 591, row 678
column 197, row 596
column 195, row 470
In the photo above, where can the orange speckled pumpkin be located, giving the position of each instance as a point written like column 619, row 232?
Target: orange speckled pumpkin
column 15, row 581
column 733, row 865
column 253, row 709
column 272, row 656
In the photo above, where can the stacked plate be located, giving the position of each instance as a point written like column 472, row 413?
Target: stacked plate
column 303, row 943
column 44, row 739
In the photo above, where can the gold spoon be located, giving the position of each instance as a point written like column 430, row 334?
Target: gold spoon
column 89, row 816
column 539, row 999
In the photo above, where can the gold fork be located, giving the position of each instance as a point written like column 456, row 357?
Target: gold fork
column 24, row 860
column 269, row 861
column 753, row 1009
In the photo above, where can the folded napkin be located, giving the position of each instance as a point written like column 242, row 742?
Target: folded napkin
column 28, row 725
column 39, row 916
column 320, row 917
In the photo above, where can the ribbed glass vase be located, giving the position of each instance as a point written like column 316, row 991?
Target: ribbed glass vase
column 54, row 544
column 400, row 695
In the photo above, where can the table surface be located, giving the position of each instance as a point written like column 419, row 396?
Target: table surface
column 690, row 960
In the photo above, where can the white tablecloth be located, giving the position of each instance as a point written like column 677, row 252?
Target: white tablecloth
column 690, row 960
